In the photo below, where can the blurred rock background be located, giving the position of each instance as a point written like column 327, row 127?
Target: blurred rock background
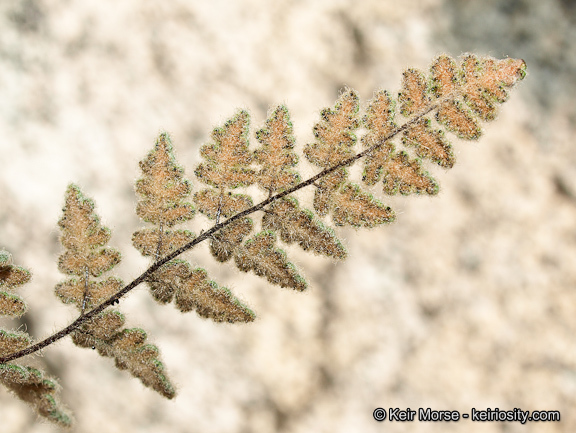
column 468, row 300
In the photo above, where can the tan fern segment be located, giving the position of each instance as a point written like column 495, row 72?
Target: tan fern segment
column 485, row 81
column 89, row 293
column 358, row 208
column 227, row 240
column 459, row 120
column 480, row 83
column 406, row 176
column 446, row 79
column 446, row 83
column 11, row 342
column 397, row 172
column 294, row 224
column 429, row 143
column 335, row 138
column 215, row 204
column 227, row 166
column 260, row 255
column 86, row 254
column 38, row 390
column 325, row 190
column 379, row 122
column 127, row 347
column 276, row 155
column 156, row 243
column 165, row 281
column 162, row 188
column 228, row 157
column 335, row 141
column 413, row 97
column 11, row 277
column 204, row 296
column 11, row 305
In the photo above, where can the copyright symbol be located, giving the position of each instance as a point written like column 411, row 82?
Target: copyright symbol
column 379, row 414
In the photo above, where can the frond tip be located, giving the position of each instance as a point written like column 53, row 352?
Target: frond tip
column 460, row 95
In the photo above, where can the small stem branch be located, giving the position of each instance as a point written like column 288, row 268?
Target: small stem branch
column 207, row 234
column 85, row 290
column 219, row 212
column 159, row 248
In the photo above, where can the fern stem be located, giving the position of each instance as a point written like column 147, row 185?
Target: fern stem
column 207, row 234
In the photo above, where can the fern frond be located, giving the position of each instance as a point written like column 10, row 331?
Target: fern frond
column 86, row 254
column 335, row 144
column 334, row 134
column 227, row 167
column 485, row 81
column 163, row 188
column 228, row 157
column 455, row 97
column 276, row 155
column 379, row 121
column 335, row 140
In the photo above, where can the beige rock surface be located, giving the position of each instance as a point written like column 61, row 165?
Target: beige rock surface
column 468, row 300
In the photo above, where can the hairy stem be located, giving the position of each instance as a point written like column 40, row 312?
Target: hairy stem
column 207, row 234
